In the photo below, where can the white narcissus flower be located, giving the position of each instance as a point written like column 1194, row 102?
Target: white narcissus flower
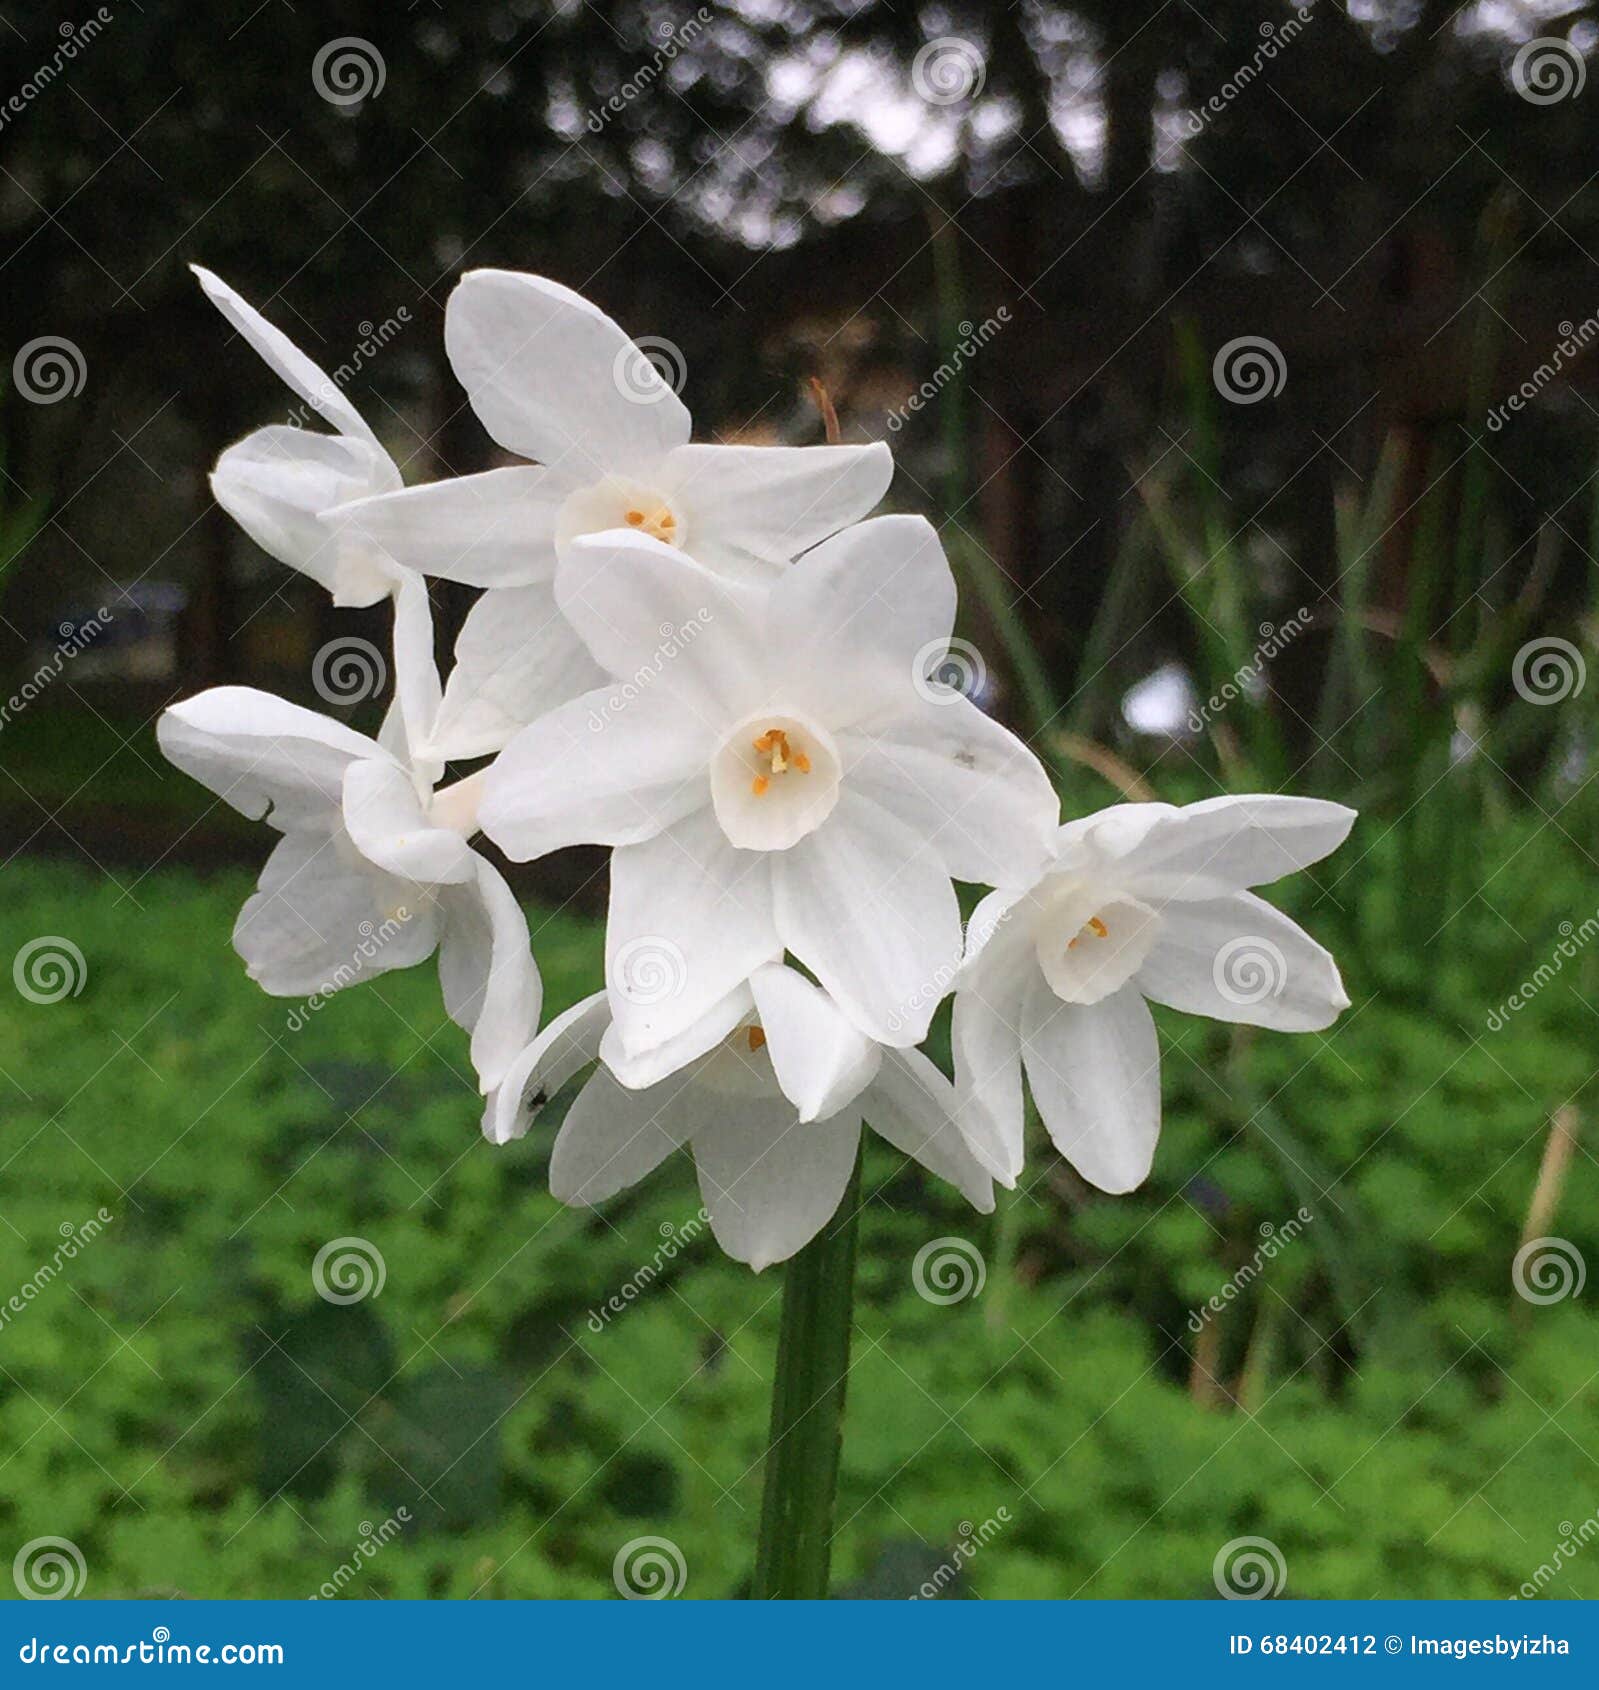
column 553, row 379
column 786, row 780
column 769, row 1090
column 1140, row 901
column 374, row 871
column 275, row 482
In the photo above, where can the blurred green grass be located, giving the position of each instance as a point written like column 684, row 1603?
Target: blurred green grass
column 180, row 1403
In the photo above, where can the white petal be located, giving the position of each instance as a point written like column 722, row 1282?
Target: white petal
column 1225, row 844
column 275, row 482
column 1238, row 959
column 496, row 529
column 568, row 1044
column 774, row 502
column 964, row 783
column 986, row 1040
column 912, row 1105
column 869, row 909
column 871, row 609
column 552, row 378
column 690, row 919
column 663, row 624
column 1094, row 1070
column 583, row 775
column 307, row 379
column 661, row 1061
column 821, row 1060
column 389, row 827
column 491, row 986
column 516, row 658
column 416, row 671
column 271, row 760
column 613, row 1137
column 317, row 924
column 771, row 1183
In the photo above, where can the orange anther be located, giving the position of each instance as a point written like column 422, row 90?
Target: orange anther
column 759, row 785
column 757, row 1037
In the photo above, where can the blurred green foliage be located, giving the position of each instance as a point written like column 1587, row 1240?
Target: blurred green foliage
column 1379, row 1403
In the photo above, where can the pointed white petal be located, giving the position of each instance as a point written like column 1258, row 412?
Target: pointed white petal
column 986, row 1039
column 1238, row 959
column 388, row 826
column 567, row 1045
column 1094, row 1070
column 416, row 671
column 613, row 1137
column 912, row 1105
column 552, row 378
column 821, row 1060
column 868, row 908
column 661, row 1061
column 271, row 760
column 491, row 985
column 1225, row 844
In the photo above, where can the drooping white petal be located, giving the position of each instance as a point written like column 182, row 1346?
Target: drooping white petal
column 276, row 481
column 821, row 1060
column 388, row 826
column 869, row 609
column 770, row 503
column 613, row 1137
column 690, row 919
column 585, row 774
column 491, row 984
column 319, row 921
column 552, row 378
column 1225, row 844
column 516, row 658
column 868, row 908
column 660, row 1062
column 1094, row 1070
column 1238, row 959
column 771, row 1183
column 664, row 625
column 986, row 1040
column 306, row 378
column 496, row 529
column 271, row 760
column 913, row 1106
column 568, row 1044
column 965, row 783
column 416, row 671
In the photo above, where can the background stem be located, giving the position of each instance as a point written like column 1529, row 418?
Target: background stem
column 802, row 1453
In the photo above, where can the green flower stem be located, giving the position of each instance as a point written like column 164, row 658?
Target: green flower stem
column 807, row 1432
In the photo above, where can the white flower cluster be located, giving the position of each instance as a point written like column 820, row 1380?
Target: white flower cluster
column 713, row 660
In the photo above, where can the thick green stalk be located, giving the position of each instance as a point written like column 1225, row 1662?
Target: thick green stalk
column 807, row 1432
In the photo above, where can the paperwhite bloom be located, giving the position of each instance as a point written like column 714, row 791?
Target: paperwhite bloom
column 790, row 782
column 276, row 481
column 553, row 379
column 374, row 870
column 769, row 1090
column 1141, row 901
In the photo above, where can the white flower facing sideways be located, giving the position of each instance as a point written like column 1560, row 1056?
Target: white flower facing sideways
column 769, row 1090
column 1140, row 901
column 791, row 783
column 373, row 871
column 553, row 379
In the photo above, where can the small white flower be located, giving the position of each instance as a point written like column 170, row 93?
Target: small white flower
column 554, row 380
column 769, row 1090
column 789, row 786
column 1141, row 901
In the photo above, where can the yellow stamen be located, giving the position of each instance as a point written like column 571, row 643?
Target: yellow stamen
column 1100, row 929
column 659, row 524
column 757, row 1037
column 759, row 785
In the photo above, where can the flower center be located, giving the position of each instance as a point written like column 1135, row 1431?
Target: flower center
column 620, row 502
column 774, row 780
column 1091, row 942
column 740, row 1066
column 660, row 523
